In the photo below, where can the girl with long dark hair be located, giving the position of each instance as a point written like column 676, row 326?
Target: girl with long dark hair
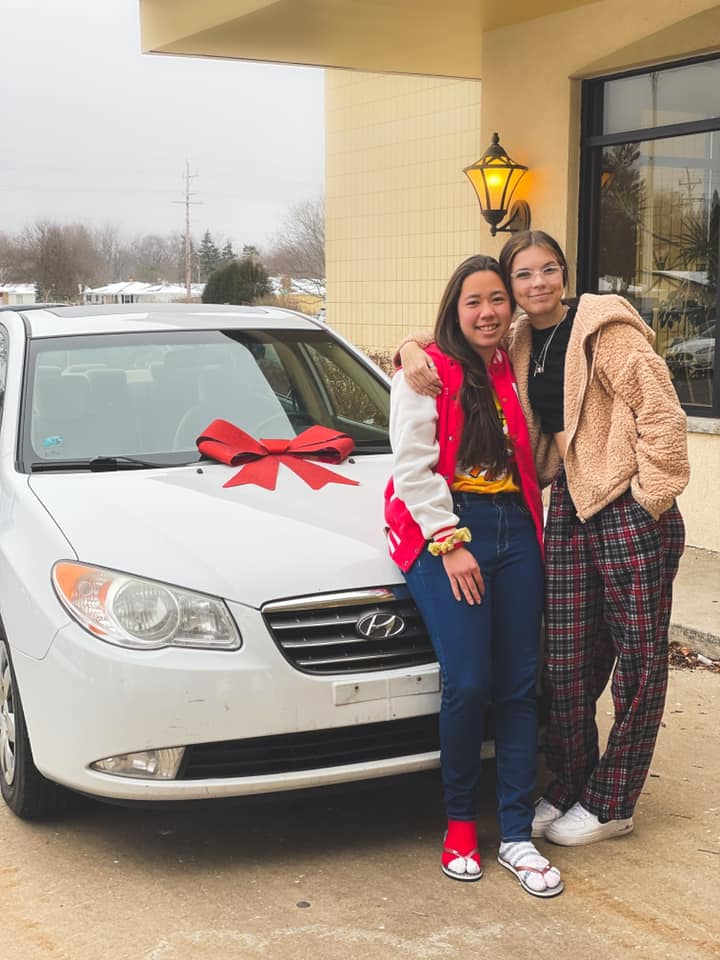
column 465, row 525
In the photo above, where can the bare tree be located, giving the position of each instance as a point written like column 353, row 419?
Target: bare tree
column 17, row 259
column 155, row 257
column 59, row 259
column 299, row 249
column 87, row 261
column 64, row 258
column 7, row 250
column 110, row 251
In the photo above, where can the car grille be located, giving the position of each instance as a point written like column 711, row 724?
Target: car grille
column 317, row 749
column 348, row 632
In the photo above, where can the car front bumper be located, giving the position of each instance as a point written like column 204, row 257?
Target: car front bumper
column 87, row 700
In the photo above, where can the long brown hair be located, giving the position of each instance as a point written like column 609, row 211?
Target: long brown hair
column 530, row 238
column 483, row 441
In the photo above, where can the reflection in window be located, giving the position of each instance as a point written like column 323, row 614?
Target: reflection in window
column 354, row 399
column 650, row 212
column 658, row 246
column 660, row 97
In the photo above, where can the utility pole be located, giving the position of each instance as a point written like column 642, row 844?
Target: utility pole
column 188, row 247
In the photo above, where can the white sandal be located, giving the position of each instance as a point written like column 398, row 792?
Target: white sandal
column 520, row 869
column 463, row 866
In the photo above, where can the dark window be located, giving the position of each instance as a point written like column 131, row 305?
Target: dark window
column 650, row 212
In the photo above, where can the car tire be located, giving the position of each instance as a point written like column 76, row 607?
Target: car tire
column 29, row 795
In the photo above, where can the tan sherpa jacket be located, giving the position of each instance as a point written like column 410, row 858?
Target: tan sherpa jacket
column 624, row 425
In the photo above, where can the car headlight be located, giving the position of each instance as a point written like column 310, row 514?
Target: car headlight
column 146, row 765
column 142, row 614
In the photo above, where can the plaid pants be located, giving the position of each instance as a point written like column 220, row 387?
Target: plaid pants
column 609, row 593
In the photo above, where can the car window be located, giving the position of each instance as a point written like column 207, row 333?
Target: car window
column 3, row 365
column 360, row 401
column 708, row 331
column 153, row 395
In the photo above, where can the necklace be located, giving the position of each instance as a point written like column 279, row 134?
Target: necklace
column 539, row 361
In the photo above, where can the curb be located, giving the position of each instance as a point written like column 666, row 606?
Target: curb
column 701, row 641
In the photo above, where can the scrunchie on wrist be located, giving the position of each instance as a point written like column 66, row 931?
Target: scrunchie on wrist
column 456, row 539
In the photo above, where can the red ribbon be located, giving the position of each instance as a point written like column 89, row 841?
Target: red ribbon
column 260, row 459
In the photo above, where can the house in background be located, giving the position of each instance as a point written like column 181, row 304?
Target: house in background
column 613, row 106
column 17, row 294
column 306, row 296
column 132, row 291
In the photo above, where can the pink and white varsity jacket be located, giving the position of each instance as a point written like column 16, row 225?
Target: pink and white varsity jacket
column 425, row 439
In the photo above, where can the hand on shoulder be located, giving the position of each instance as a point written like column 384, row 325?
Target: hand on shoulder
column 419, row 370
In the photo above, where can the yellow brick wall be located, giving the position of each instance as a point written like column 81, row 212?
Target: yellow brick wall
column 400, row 212
column 699, row 503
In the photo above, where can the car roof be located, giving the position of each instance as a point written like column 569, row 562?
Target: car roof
column 22, row 307
column 62, row 321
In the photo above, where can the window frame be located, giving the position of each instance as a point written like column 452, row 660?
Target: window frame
column 592, row 143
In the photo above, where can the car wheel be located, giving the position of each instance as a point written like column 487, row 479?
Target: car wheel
column 28, row 794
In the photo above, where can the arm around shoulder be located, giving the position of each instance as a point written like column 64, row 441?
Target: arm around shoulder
column 418, row 367
column 419, row 338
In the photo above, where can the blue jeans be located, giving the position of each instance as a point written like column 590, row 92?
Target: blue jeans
column 488, row 653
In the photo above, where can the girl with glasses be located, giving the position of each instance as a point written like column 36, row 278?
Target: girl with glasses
column 609, row 436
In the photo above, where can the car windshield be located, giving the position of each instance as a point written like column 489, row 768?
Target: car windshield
column 149, row 396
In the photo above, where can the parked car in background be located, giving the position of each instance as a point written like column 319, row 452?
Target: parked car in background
column 165, row 635
column 694, row 356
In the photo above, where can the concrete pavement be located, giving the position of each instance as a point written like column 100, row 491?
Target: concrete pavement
column 354, row 873
column 695, row 619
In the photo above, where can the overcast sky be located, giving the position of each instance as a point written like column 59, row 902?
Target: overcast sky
column 93, row 131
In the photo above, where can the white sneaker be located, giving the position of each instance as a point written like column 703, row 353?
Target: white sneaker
column 579, row 826
column 545, row 814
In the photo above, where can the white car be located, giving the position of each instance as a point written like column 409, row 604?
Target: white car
column 693, row 357
column 165, row 635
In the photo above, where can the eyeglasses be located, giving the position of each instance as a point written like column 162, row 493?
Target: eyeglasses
column 549, row 272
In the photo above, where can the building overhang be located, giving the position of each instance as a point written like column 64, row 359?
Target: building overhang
column 394, row 36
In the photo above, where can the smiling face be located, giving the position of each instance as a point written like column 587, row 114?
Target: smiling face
column 538, row 282
column 484, row 312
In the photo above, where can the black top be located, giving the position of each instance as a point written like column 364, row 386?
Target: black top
column 547, row 373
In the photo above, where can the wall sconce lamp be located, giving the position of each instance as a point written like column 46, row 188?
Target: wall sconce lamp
column 494, row 178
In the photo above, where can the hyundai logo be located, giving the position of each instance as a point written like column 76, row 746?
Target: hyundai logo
column 380, row 626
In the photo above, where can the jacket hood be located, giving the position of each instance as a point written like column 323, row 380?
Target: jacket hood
column 597, row 310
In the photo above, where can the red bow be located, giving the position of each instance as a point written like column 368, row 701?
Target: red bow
column 229, row 444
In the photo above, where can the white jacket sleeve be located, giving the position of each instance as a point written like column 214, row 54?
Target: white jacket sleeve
column 413, row 436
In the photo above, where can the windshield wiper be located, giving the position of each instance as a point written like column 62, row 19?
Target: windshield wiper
column 370, row 446
column 100, row 464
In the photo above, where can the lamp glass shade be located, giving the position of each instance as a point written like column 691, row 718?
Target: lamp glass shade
column 495, row 177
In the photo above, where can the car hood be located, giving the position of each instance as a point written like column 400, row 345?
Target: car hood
column 699, row 343
column 242, row 543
